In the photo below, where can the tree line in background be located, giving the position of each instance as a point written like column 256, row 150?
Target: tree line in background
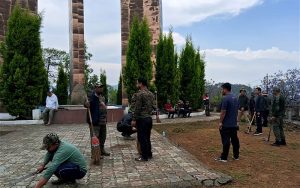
column 28, row 70
column 177, row 76
column 288, row 82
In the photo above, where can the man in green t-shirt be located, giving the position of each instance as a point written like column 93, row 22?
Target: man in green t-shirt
column 67, row 162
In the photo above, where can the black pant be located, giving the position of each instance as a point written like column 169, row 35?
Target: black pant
column 227, row 135
column 144, row 127
column 259, row 122
column 265, row 116
column 69, row 171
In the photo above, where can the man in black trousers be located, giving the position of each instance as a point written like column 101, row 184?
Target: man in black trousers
column 142, row 118
column 228, row 123
column 260, row 104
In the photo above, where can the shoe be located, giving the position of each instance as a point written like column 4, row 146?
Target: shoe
column 283, row 143
column 236, row 159
column 257, row 134
column 104, row 153
column 221, row 160
column 62, row 181
column 277, row 143
column 140, row 159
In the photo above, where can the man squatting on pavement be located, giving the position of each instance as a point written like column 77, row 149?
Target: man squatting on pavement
column 228, row 123
column 278, row 111
column 67, row 162
column 96, row 103
column 142, row 118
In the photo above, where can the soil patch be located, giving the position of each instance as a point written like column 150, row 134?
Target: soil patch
column 260, row 164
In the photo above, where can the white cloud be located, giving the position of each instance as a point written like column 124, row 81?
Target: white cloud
column 247, row 66
column 113, row 71
column 186, row 12
column 179, row 40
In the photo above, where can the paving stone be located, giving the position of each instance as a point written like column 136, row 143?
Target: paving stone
column 170, row 166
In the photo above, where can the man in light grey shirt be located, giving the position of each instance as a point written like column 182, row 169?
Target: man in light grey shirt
column 51, row 107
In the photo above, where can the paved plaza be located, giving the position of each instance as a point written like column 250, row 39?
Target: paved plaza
column 170, row 166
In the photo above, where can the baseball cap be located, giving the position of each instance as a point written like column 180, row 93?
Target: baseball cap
column 98, row 85
column 49, row 139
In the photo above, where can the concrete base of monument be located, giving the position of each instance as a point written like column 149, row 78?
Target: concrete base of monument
column 70, row 114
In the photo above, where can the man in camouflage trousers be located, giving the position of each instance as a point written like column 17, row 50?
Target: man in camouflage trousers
column 142, row 118
column 278, row 111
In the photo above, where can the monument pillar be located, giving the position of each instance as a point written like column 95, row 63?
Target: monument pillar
column 151, row 10
column 77, row 51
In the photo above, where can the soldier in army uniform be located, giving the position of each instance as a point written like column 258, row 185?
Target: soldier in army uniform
column 278, row 111
column 98, row 109
column 142, row 118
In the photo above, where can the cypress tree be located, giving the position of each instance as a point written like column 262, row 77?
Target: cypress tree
column 138, row 56
column 23, row 76
column 103, row 82
column 119, row 92
column 192, row 72
column 166, row 70
column 62, row 87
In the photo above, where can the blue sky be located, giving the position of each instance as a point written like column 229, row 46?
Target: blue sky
column 243, row 40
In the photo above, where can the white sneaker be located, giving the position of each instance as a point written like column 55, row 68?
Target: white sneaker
column 257, row 134
column 221, row 160
column 236, row 159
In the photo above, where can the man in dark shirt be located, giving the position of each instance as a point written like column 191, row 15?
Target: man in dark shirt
column 260, row 103
column 266, row 112
column 228, row 123
column 252, row 107
column 278, row 111
column 243, row 105
column 142, row 118
column 96, row 103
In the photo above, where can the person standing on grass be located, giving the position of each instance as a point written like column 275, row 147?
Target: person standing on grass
column 142, row 118
column 243, row 105
column 278, row 111
column 228, row 123
column 260, row 104
column 51, row 107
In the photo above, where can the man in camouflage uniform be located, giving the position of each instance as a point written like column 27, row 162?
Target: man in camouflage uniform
column 142, row 118
column 278, row 111
column 98, row 110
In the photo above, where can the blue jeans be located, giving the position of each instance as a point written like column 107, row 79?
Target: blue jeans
column 69, row 171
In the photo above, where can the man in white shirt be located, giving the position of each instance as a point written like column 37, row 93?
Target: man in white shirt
column 51, row 106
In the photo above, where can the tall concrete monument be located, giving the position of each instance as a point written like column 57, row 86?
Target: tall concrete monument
column 77, row 51
column 150, row 9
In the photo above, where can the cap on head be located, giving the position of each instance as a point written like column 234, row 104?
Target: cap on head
column 242, row 89
column 98, row 85
column 49, row 139
column 276, row 89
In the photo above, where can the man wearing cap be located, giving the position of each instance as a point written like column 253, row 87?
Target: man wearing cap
column 278, row 111
column 66, row 162
column 228, row 123
column 96, row 103
column 243, row 105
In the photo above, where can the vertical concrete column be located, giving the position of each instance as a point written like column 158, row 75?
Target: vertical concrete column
column 77, row 51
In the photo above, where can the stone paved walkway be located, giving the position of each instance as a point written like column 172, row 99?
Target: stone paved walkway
column 170, row 166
